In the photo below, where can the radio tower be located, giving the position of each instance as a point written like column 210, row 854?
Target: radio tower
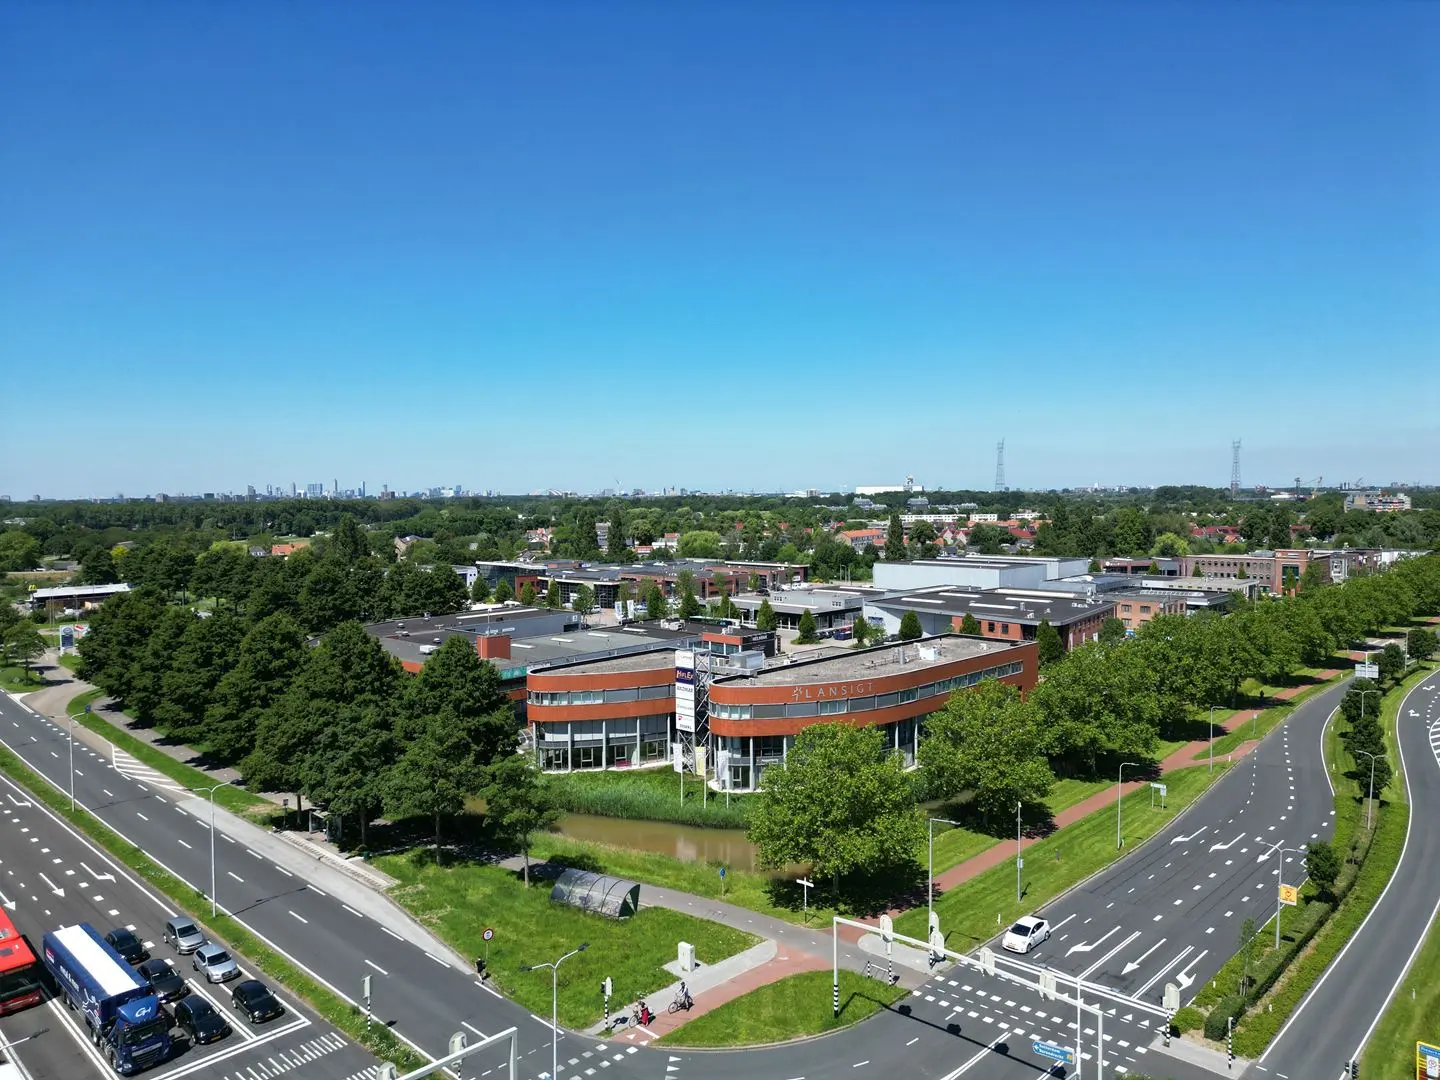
column 1000, row 465
column 1235, row 468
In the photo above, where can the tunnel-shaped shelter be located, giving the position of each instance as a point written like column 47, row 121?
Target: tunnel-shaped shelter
column 600, row 893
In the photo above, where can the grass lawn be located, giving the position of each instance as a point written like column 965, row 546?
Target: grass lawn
column 235, row 799
column 973, row 912
column 790, row 1008
column 1266, row 722
column 1413, row 1016
column 651, row 794
column 15, row 679
column 459, row 902
column 69, row 661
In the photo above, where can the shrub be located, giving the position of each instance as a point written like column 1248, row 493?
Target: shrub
column 1188, row 1019
column 1218, row 1022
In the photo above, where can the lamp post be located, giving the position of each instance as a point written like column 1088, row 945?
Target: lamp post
column 72, row 763
column 211, row 792
column 930, row 874
column 1212, row 739
column 1119, row 786
column 1019, row 861
column 554, row 967
column 1280, row 880
column 1370, row 802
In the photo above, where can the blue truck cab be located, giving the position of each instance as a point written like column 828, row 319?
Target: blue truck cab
column 122, row 1014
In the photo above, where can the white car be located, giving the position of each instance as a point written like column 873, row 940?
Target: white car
column 1026, row 934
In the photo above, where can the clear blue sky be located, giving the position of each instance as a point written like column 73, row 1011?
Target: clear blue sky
column 760, row 245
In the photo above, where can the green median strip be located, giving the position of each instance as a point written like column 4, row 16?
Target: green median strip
column 377, row 1039
column 1413, row 1016
column 234, row 799
column 973, row 912
column 790, row 1008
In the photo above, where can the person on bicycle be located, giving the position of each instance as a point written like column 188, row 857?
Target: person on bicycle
column 685, row 999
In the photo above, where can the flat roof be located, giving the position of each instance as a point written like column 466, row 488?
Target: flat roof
column 644, row 661
column 77, row 591
column 874, row 663
column 472, row 622
column 114, row 979
column 1011, row 605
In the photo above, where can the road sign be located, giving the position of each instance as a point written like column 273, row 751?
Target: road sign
column 1053, row 1052
column 722, row 873
column 488, row 934
column 887, row 928
column 1172, row 998
column 1019, row 863
column 1047, row 985
column 1290, row 894
column 1367, row 671
column 1160, row 788
column 987, row 961
column 1427, row 1061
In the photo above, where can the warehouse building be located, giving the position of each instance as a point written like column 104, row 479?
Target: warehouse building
column 1006, row 614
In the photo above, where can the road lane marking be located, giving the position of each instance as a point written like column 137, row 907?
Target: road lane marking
column 382, row 971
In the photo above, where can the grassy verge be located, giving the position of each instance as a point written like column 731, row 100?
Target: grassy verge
column 378, row 1039
column 69, row 661
column 1266, row 722
column 648, row 795
column 235, row 799
column 1413, row 1016
column 17, row 680
column 459, row 902
column 972, row 912
column 790, row 1008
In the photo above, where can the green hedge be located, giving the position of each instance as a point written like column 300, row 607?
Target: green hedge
column 1217, row 1023
column 648, row 795
column 1188, row 1019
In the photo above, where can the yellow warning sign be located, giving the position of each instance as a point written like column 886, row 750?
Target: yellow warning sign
column 1289, row 894
column 1427, row 1061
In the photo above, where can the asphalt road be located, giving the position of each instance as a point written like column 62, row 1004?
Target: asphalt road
column 1209, row 860
column 1339, row 1014
column 55, row 877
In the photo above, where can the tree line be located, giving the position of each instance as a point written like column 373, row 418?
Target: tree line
column 1105, row 701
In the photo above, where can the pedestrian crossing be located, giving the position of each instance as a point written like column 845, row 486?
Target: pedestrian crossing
column 295, row 1057
column 133, row 768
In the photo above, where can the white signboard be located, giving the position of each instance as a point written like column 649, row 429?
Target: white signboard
column 685, row 691
column 1367, row 671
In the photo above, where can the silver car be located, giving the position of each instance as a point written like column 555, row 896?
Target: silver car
column 184, row 935
column 215, row 963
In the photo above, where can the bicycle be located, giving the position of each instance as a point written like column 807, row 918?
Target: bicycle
column 682, row 1002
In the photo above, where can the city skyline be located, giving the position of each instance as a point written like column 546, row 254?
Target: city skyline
column 636, row 248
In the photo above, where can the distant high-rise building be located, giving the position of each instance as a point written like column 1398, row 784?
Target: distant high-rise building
column 292, row 489
column 250, row 492
column 362, row 489
column 314, row 491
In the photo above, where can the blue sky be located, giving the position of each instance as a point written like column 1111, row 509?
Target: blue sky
column 760, row 245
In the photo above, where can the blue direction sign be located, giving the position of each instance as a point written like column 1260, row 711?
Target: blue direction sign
column 1053, row 1052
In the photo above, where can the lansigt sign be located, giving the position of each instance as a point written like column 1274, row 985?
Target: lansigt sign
column 1290, row 894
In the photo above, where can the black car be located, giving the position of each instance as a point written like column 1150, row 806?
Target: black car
column 163, row 979
column 127, row 945
column 253, row 998
column 198, row 1019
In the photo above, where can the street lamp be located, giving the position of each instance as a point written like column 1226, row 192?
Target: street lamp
column 1019, row 862
column 72, row 762
column 1369, row 803
column 930, row 876
column 211, row 792
column 554, row 967
column 1280, row 880
column 1119, row 786
column 1212, row 739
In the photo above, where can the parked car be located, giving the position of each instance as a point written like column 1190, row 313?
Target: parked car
column 254, row 999
column 163, row 979
column 200, row 1020
column 215, row 963
column 127, row 945
column 1026, row 934
column 183, row 934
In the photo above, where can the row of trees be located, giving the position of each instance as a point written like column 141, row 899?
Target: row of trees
column 1104, row 701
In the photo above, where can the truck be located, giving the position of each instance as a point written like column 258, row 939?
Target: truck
column 122, row 1015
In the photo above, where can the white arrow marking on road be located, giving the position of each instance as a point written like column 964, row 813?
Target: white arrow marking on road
column 1136, row 963
column 1161, row 973
column 1187, row 839
column 1227, row 846
column 1090, row 945
column 1133, row 935
column 1185, row 980
column 9, row 904
column 16, row 801
column 53, row 887
column 98, row 877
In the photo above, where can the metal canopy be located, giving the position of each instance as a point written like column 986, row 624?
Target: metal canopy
column 599, row 893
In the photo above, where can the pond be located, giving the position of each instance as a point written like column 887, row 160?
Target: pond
column 685, row 842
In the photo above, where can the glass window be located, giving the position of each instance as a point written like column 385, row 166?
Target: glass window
column 990, row 627
column 884, row 701
column 767, row 712
column 862, row 704
column 740, row 777
column 622, row 695
column 907, row 696
column 803, row 708
column 831, row 708
column 770, row 746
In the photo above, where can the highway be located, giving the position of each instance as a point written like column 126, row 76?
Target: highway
column 54, row 877
column 1340, row 1013
column 1171, row 911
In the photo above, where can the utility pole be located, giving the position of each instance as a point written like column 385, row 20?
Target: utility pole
column 1019, row 858
column 1120, row 787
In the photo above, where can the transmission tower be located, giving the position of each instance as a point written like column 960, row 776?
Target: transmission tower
column 1235, row 468
column 1000, row 465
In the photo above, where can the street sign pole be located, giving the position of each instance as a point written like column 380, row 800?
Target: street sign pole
column 805, row 886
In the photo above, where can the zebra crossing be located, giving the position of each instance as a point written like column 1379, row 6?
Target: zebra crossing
column 132, row 768
column 282, row 1061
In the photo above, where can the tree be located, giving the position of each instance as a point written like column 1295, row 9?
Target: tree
column 806, row 634
column 656, row 606
column 206, row 652
column 98, row 567
column 1099, row 699
column 987, row 539
column 1421, row 643
column 895, row 550
column 552, row 595
column 583, row 602
column 841, row 804
column 1169, row 545
column 909, row 626
column 985, row 740
column 1049, row 647
column 616, row 549
column 701, row 544
column 861, row 630
column 1112, row 631
column 689, row 605
column 480, row 591
column 1323, row 866
column 1197, row 572
column 24, row 643
column 1247, row 953
column 923, row 541
column 18, row 551
column 1391, row 661
column 518, row 805
column 270, row 654
column 350, row 768
column 504, row 592
column 434, row 775
column 527, row 594
column 765, row 617
column 970, row 625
